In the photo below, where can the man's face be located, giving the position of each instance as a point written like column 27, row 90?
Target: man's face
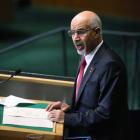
column 82, row 36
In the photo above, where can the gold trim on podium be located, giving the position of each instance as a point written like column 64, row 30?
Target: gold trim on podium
column 39, row 80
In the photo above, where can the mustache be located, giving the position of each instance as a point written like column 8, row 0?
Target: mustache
column 79, row 43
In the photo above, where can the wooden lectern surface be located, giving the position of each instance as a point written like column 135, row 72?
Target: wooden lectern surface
column 14, row 133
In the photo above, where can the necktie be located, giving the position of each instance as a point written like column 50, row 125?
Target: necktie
column 80, row 76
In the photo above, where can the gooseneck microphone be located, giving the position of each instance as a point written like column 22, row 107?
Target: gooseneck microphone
column 11, row 76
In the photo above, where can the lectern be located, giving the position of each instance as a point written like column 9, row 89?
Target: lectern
column 40, row 89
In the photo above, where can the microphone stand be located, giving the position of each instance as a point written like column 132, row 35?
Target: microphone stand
column 11, row 76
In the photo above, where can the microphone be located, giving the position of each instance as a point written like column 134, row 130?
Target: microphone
column 18, row 71
column 11, row 76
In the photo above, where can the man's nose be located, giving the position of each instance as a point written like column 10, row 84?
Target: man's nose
column 76, row 36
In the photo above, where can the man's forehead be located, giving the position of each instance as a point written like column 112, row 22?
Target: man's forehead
column 80, row 23
column 80, row 26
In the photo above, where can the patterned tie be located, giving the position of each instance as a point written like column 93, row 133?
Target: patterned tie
column 80, row 76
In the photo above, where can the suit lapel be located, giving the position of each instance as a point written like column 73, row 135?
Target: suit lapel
column 91, row 69
column 87, row 75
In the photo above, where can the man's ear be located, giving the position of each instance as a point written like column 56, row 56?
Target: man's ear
column 97, row 32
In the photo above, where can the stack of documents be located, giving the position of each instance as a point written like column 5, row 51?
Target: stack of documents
column 24, row 116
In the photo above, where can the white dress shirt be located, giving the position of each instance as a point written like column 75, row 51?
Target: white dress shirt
column 90, row 56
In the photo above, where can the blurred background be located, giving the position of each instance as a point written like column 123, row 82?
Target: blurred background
column 33, row 37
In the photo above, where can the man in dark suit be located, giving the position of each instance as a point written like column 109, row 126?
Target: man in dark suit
column 99, row 104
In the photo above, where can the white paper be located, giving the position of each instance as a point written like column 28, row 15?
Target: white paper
column 11, row 101
column 27, row 117
column 27, row 121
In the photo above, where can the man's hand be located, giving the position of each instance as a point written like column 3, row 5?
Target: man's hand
column 54, row 105
column 57, row 105
column 64, row 107
column 56, row 116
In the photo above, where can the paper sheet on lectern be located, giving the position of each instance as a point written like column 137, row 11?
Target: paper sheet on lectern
column 27, row 117
column 12, row 100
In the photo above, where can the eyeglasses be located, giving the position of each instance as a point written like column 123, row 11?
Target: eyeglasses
column 80, row 31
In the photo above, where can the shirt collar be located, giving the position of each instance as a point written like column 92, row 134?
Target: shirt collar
column 90, row 56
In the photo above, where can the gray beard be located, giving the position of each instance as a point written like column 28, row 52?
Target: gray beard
column 83, row 52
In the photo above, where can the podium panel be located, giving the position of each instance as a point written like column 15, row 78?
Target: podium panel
column 20, row 132
column 38, row 88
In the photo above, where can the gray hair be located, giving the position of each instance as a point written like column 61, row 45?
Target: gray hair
column 96, row 22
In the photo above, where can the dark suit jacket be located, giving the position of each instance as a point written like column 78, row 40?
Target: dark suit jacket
column 101, row 108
